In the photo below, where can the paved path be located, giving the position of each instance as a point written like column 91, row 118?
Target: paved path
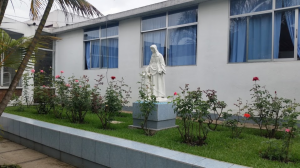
column 12, row 153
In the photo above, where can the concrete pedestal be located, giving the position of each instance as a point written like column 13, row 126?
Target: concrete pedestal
column 163, row 117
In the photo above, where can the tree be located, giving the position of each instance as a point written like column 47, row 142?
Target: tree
column 81, row 7
column 3, row 5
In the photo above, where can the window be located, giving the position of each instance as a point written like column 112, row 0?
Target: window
column 238, row 7
column 287, row 3
column 101, row 51
column 251, row 34
column 175, row 35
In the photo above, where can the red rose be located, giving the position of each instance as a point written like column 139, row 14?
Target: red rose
column 113, row 77
column 175, row 93
column 246, row 115
column 255, row 79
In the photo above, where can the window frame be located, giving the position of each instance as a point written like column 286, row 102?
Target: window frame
column 167, row 28
column 272, row 11
column 100, row 56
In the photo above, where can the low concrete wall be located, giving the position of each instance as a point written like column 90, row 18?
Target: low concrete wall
column 91, row 150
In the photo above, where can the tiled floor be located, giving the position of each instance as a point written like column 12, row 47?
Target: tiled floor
column 12, row 153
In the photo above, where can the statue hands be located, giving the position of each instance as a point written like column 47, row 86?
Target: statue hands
column 161, row 72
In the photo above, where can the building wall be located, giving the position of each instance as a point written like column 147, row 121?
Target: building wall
column 16, row 26
column 212, row 71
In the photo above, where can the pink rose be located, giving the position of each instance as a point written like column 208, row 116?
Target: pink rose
column 76, row 80
column 175, row 93
column 44, row 86
column 61, row 71
column 57, row 76
column 68, row 85
column 32, row 71
column 287, row 130
column 41, row 71
column 80, row 86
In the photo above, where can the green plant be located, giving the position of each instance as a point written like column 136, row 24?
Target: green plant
column 236, row 124
column 193, row 111
column 109, row 106
column 272, row 150
column 267, row 110
column 290, row 124
column 17, row 102
column 147, row 103
column 78, row 102
column 61, row 97
column 43, row 92
column 216, row 106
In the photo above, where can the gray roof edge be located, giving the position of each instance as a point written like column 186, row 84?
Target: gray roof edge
column 158, row 7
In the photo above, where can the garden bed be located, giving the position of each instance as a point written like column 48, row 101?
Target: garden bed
column 220, row 146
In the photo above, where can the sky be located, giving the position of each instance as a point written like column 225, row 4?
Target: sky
column 20, row 8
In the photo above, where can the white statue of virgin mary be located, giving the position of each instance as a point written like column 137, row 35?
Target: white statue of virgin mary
column 156, row 72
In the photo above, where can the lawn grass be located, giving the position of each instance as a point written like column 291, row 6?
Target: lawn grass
column 220, row 146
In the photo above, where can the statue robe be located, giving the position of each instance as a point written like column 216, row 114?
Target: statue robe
column 156, row 70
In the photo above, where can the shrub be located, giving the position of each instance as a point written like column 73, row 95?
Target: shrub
column 147, row 103
column 61, row 91
column 266, row 110
column 216, row 106
column 17, row 102
column 236, row 124
column 78, row 102
column 108, row 106
column 290, row 124
column 192, row 110
column 43, row 91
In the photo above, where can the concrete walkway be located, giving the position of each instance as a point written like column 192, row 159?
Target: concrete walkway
column 12, row 153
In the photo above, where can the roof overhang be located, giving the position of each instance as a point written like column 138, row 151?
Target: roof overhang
column 138, row 12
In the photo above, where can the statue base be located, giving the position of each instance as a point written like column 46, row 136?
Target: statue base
column 162, row 117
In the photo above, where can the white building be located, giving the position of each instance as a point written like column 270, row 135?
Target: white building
column 212, row 44
column 58, row 18
column 18, row 29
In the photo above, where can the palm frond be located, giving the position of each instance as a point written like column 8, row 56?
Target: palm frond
column 69, row 7
column 12, row 51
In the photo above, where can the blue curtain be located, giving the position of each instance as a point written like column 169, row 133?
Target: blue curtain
column 182, row 17
column 95, row 54
column 238, row 37
column 109, row 52
column 87, row 55
column 159, row 39
column 290, row 19
column 182, row 46
column 247, row 6
column 154, row 22
column 277, row 30
column 286, row 3
column 260, row 37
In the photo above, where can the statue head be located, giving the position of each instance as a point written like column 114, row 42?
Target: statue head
column 154, row 49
